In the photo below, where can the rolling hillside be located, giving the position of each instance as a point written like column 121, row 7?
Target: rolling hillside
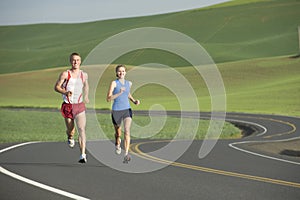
column 237, row 30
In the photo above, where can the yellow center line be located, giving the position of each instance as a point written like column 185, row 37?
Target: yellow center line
column 136, row 150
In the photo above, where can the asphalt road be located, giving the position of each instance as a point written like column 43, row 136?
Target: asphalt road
column 232, row 170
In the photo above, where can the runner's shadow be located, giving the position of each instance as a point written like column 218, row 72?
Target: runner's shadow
column 288, row 152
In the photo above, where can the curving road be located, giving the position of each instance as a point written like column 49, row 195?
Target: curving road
column 234, row 169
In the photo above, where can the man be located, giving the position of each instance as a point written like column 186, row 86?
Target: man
column 73, row 85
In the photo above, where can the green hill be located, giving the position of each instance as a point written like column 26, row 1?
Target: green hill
column 234, row 31
column 265, row 85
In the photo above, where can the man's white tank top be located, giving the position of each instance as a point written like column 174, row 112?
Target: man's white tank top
column 74, row 85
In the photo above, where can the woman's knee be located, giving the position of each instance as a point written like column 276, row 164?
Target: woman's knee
column 126, row 132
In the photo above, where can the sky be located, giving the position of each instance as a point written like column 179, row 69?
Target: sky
column 17, row 12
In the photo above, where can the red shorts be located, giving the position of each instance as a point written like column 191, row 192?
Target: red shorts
column 71, row 110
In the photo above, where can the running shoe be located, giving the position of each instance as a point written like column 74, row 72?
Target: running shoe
column 127, row 158
column 82, row 158
column 118, row 149
column 71, row 143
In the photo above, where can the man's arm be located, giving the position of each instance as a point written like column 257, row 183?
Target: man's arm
column 86, row 89
column 58, row 85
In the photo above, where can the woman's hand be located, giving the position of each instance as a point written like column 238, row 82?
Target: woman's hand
column 137, row 102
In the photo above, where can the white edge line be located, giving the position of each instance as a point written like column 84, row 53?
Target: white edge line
column 15, row 146
column 34, row 183
column 260, row 134
column 261, row 155
column 245, row 122
column 256, row 124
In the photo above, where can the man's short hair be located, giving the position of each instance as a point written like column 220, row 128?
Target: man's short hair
column 74, row 54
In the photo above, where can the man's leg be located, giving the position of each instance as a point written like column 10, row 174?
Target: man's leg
column 81, row 123
column 70, row 131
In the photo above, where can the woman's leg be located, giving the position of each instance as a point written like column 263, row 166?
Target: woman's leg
column 127, row 125
column 118, row 133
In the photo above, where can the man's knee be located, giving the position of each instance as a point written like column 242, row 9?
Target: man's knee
column 81, row 129
column 70, row 132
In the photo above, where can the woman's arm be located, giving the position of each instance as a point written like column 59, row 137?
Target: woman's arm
column 135, row 101
column 110, row 95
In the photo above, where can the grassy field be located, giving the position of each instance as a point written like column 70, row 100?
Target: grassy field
column 49, row 126
column 251, row 41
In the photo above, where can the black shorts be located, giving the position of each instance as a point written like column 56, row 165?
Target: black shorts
column 118, row 115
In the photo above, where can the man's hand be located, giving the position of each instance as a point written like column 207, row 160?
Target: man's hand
column 68, row 93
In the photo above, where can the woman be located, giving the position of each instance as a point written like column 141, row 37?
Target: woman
column 119, row 92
